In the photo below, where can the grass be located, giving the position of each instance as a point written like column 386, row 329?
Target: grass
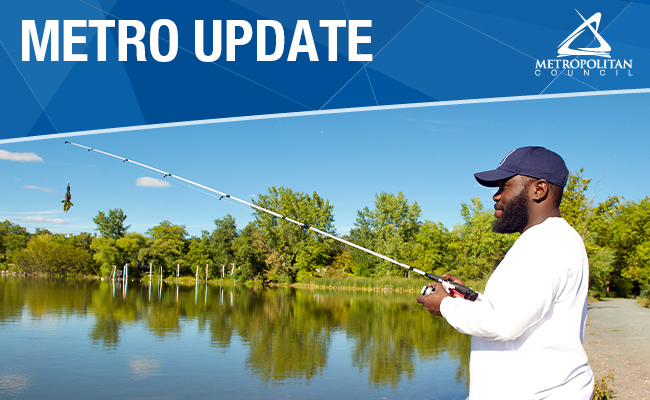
column 191, row 280
column 386, row 283
column 602, row 391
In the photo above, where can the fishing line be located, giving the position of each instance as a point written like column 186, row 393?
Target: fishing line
column 165, row 175
column 233, row 204
column 454, row 287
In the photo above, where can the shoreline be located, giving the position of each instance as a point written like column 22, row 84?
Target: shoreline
column 186, row 280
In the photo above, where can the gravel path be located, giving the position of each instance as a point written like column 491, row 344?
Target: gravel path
column 617, row 338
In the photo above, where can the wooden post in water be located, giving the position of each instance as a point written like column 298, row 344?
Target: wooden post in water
column 125, row 279
column 150, row 272
column 197, row 274
column 178, row 270
column 206, row 272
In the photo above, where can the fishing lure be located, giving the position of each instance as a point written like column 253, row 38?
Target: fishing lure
column 66, row 202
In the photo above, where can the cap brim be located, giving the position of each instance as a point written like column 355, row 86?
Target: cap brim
column 492, row 178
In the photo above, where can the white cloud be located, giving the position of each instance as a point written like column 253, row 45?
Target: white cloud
column 24, row 157
column 48, row 190
column 146, row 181
column 34, row 212
column 40, row 220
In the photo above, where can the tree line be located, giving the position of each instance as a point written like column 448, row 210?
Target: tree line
column 271, row 250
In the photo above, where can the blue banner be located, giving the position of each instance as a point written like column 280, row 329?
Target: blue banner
column 72, row 66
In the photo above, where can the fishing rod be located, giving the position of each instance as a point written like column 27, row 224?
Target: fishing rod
column 449, row 286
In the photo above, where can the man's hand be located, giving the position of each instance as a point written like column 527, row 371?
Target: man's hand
column 452, row 278
column 431, row 302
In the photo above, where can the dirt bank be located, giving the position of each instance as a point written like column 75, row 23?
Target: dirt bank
column 617, row 338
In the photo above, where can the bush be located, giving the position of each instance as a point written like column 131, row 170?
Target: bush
column 45, row 255
column 644, row 296
column 602, row 390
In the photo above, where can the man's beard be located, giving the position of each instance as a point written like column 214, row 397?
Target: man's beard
column 514, row 216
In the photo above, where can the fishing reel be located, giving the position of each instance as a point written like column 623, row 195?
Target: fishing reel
column 456, row 290
column 428, row 290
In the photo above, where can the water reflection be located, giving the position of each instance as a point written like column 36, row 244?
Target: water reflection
column 287, row 333
column 141, row 367
column 12, row 382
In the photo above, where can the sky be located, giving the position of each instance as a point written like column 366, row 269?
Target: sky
column 429, row 153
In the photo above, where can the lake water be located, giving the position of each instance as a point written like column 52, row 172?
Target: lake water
column 70, row 338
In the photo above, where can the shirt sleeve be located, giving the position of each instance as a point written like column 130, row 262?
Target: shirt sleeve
column 519, row 296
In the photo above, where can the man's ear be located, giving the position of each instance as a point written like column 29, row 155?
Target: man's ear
column 540, row 190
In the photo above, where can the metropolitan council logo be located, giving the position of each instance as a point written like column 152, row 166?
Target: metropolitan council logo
column 602, row 51
column 602, row 64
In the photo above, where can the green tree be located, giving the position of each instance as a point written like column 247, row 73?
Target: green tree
column 601, row 271
column 342, row 265
column 106, row 254
column 479, row 250
column 575, row 207
column 432, row 249
column 166, row 230
column 285, row 240
column 83, row 240
column 220, row 242
column 166, row 246
column 111, row 226
column 45, row 255
column 249, row 249
column 13, row 237
column 109, row 252
column 312, row 259
column 390, row 229
column 130, row 245
column 41, row 231
column 198, row 256
column 624, row 227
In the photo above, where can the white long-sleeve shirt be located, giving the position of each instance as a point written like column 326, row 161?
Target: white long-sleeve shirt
column 527, row 328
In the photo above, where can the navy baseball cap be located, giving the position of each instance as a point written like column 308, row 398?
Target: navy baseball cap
column 536, row 162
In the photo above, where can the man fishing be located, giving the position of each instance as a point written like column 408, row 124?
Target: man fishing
column 527, row 328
